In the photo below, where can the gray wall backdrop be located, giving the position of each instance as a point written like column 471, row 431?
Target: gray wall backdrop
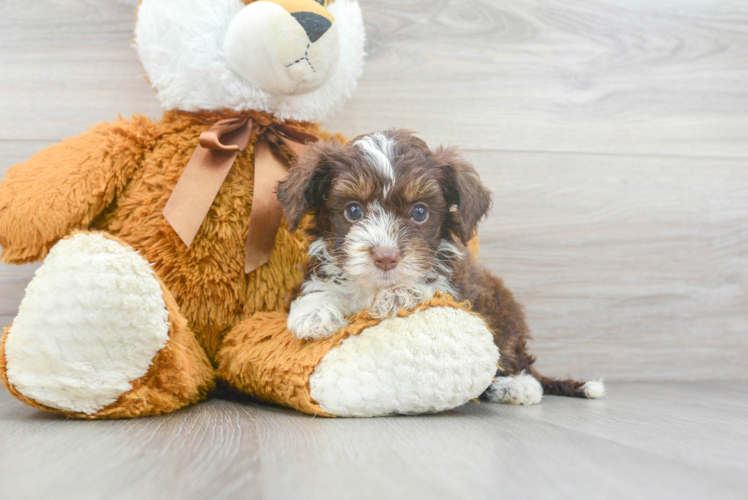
column 613, row 133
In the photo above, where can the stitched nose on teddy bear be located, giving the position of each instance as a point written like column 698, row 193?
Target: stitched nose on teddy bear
column 314, row 24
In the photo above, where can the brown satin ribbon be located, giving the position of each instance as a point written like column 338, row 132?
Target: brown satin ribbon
column 206, row 171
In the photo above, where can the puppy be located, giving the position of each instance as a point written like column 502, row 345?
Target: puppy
column 391, row 221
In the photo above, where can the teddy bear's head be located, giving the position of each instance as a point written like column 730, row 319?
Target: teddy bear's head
column 297, row 59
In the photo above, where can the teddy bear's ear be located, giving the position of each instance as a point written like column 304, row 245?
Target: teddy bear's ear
column 463, row 189
column 308, row 182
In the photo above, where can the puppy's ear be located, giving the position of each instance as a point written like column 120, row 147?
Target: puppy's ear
column 464, row 189
column 305, row 188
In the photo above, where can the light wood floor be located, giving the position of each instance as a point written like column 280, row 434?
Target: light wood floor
column 648, row 440
column 614, row 136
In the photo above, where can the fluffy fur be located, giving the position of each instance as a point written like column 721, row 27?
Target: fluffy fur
column 92, row 366
column 522, row 389
column 116, row 178
column 180, row 45
column 391, row 368
column 387, row 177
column 84, row 333
column 594, row 389
column 368, row 368
column 378, row 148
column 110, row 186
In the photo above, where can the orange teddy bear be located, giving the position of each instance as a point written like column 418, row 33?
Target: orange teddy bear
column 166, row 263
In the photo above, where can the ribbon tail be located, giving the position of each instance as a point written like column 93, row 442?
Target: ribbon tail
column 267, row 213
column 296, row 148
column 203, row 176
column 195, row 191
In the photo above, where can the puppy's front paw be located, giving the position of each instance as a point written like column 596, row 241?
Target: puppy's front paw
column 388, row 302
column 314, row 319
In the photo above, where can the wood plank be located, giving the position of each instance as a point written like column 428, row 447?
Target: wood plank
column 664, row 414
column 643, row 441
column 616, row 76
column 67, row 66
column 635, row 268
column 205, row 452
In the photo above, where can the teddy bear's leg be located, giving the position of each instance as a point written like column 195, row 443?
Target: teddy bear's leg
column 434, row 358
column 99, row 336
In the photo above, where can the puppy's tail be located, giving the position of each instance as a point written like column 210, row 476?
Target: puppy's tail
column 568, row 387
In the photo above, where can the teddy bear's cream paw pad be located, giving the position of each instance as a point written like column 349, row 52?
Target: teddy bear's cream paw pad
column 91, row 322
column 522, row 389
column 430, row 361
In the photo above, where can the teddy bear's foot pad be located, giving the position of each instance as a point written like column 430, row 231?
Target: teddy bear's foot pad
column 433, row 360
column 91, row 322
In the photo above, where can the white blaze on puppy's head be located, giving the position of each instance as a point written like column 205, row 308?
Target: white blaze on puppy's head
column 297, row 59
column 378, row 149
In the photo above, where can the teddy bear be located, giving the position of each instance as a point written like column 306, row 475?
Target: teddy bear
column 166, row 261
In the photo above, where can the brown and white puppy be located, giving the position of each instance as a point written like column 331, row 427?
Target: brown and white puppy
column 391, row 220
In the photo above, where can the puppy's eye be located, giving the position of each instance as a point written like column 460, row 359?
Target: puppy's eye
column 323, row 3
column 420, row 213
column 354, row 212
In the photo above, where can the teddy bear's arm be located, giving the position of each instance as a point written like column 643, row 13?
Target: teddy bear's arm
column 65, row 186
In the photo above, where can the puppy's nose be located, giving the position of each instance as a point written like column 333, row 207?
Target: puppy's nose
column 314, row 24
column 386, row 258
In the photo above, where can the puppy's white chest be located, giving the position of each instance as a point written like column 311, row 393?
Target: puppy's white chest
column 387, row 302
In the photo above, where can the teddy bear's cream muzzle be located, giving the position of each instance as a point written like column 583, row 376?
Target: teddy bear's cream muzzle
column 286, row 47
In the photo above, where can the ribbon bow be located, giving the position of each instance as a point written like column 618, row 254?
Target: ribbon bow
column 211, row 162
